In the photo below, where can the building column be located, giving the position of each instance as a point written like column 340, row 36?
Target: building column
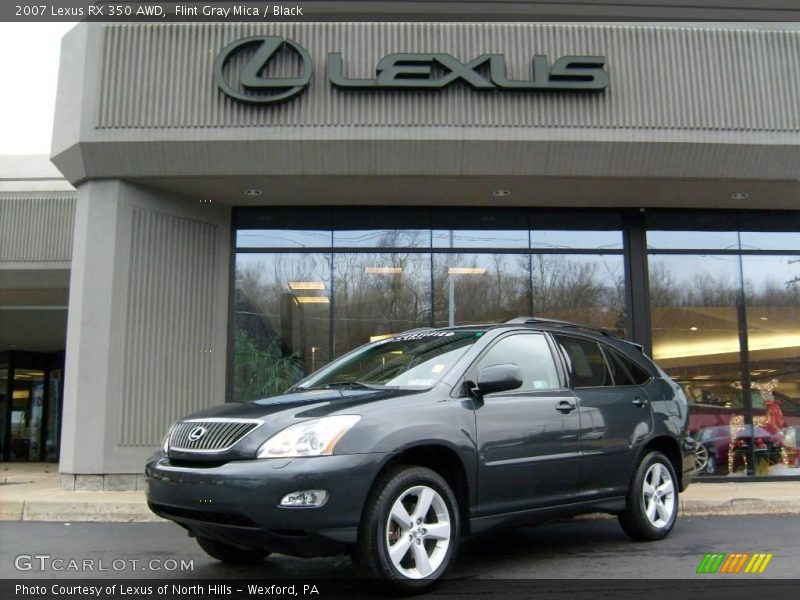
column 147, row 327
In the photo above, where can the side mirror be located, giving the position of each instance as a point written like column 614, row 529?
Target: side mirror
column 498, row 378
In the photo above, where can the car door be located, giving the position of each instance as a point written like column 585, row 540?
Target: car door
column 528, row 437
column 615, row 415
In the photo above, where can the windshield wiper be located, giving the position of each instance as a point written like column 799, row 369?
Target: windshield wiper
column 352, row 385
column 336, row 385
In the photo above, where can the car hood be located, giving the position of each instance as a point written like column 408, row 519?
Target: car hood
column 270, row 415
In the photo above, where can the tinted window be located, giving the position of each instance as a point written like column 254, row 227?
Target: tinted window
column 619, row 370
column 530, row 353
column 586, row 362
column 639, row 375
column 624, row 370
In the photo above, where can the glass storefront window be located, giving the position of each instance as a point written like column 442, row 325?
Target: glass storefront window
column 772, row 286
column 282, row 321
column 770, row 240
column 382, row 238
column 4, row 405
column 282, row 238
column 696, row 341
column 698, row 240
column 373, row 273
column 564, row 239
column 480, row 238
column 378, row 294
column 480, row 288
column 582, row 288
column 53, row 415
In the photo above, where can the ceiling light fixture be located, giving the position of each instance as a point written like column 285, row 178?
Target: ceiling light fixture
column 466, row 271
column 252, row 192
column 501, row 193
column 740, row 196
column 693, row 328
column 312, row 299
column 306, row 285
column 383, row 270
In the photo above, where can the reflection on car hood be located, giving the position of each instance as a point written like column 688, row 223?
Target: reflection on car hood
column 311, row 403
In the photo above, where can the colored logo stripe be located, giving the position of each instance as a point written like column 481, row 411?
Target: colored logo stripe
column 758, row 563
column 711, row 562
column 737, row 562
column 734, row 563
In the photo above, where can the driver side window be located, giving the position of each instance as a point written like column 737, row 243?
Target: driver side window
column 531, row 353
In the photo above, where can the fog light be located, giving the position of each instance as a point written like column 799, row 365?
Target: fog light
column 309, row 498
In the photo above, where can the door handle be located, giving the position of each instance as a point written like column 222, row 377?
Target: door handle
column 565, row 406
column 639, row 401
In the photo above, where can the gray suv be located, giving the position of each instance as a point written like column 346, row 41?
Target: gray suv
column 399, row 448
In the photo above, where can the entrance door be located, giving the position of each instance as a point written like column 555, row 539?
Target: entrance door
column 30, row 405
column 27, row 406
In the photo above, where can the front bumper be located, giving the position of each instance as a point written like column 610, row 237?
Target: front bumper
column 238, row 502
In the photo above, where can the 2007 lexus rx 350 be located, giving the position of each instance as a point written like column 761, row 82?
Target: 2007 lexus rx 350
column 396, row 450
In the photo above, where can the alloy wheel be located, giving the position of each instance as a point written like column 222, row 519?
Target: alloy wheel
column 418, row 532
column 658, row 495
column 700, row 457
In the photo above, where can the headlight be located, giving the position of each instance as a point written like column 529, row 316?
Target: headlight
column 165, row 441
column 317, row 437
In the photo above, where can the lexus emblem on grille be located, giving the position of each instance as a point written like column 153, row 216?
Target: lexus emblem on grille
column 196, row 433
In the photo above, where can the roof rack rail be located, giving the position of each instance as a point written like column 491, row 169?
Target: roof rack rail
column 556, row 323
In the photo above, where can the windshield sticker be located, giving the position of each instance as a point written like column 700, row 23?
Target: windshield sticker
column 417, row 336
column 438, row 368
column 420, row 382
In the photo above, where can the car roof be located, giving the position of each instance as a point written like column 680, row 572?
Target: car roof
column 541, row 323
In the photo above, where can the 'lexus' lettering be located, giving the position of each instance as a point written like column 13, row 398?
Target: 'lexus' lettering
column 486, row 72
column 251, row 83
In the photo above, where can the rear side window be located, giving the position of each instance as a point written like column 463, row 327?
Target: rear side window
column 618, row 369
column 586, row 362
column 630, row 371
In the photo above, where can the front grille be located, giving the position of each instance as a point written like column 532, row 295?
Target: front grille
column 210, row 435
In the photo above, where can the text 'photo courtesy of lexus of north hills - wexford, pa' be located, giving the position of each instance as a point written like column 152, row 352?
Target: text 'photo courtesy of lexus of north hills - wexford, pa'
column 395, row 451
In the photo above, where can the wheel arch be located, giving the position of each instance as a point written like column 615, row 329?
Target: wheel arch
column 442, row 458
column 670, row 448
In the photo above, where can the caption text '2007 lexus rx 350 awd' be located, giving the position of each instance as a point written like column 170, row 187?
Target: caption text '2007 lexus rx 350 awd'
column 396, row 450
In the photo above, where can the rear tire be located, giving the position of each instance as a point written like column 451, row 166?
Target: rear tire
column 409, row 534
column 232, row 555
column 652, row 502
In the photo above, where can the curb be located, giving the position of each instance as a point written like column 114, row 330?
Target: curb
column 96, row 512
column 738, row 506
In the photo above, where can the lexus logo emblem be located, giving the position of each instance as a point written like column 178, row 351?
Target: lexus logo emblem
column 196, row 433
column 253, row 86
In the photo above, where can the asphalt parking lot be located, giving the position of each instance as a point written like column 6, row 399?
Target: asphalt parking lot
column 575, row 549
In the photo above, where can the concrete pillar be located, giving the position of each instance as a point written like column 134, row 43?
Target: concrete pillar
column 147, row 327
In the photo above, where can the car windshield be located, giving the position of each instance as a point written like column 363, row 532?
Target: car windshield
column 412, row 360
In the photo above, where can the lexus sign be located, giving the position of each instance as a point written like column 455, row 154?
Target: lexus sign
column 403, row 71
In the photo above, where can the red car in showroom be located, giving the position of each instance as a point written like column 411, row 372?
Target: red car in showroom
column 723, row 439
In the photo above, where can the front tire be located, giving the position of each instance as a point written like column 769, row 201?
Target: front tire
column 652, row 503
column 232, row 555
column 409, row 534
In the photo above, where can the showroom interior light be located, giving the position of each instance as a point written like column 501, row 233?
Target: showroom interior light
column 383, row 270
column 725, row 345
column 466, row 270
column 312, row 299
column 306, row 285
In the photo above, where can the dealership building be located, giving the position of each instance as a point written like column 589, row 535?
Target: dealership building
column 237, row 204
